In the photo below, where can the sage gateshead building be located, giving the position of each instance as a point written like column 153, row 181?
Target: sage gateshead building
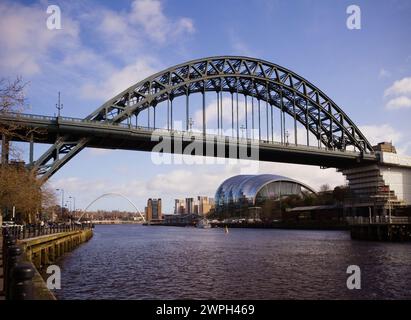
column 241, row 193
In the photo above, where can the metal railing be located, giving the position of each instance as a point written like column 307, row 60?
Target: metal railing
column 378, row 220
column 192, row 133
column 32, row 231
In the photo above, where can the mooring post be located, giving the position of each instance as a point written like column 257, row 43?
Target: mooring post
column 13, row 253
column 22, row 284
column 9, row 241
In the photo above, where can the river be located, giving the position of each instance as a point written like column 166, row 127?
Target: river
column 155, row 262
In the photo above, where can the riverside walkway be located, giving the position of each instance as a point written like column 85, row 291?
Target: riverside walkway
column 35, row 248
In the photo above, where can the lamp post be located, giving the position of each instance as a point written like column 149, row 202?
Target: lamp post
column 242, row 127
column 74, row 203
column 62, row 200
column 190, row 124
column 68, row 205
column 59, row 105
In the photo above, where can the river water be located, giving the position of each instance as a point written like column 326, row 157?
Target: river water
column 155, row 262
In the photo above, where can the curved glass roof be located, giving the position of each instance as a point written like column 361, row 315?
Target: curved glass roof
column 247, row 187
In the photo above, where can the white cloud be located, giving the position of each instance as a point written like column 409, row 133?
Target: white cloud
column 401, row 92
column 402, row 86
column 381, row 133
column 211, row 112
column 76, row 185
column 150, row 15
column 119, row 79
column 93, row 152
column 113, row 52
column 27, row 44
column 401, row 102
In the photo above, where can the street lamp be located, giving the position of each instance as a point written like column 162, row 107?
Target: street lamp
column 242, row 127
column 190, row 124
column 62, row 200
column 59, row 105
column 74, row 203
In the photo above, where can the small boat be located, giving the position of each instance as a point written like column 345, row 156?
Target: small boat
column 226, row 229
column 203, row 224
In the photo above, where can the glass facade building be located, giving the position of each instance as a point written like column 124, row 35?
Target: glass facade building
column 254, row 190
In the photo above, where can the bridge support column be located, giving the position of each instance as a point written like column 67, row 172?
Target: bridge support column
column 31, row 157
column 5, row 149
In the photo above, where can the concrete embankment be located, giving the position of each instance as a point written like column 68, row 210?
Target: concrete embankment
column 45, row 250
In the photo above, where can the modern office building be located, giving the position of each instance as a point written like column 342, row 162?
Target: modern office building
column 204, row 205
column 154, row 210
column 189, row 205
column 179, row 206
column 380, row 188
column 200, row 205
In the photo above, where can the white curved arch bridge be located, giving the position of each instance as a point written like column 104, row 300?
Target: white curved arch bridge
column 109, row 194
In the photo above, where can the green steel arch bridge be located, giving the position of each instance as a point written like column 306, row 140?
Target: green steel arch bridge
column 254, row 99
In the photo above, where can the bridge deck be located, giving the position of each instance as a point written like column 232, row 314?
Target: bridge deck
column 127, row 137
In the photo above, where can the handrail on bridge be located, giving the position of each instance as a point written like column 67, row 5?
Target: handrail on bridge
column 193, row 133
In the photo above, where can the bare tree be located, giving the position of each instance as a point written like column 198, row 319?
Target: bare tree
column 19, row 188
column 13, row 100
column 325, row 187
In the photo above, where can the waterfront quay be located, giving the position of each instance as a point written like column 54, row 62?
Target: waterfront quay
column 378, row 228
column 381, row 228
column 28, row 251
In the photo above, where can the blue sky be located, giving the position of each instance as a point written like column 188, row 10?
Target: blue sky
column 106, row 46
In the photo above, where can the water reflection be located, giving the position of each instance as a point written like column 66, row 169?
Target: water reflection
column 137, row 262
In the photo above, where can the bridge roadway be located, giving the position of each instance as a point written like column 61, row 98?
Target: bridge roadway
column 127, row 137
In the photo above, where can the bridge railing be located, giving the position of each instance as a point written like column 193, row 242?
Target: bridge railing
column 192, row 133
column 28, row 116
column 32, row 231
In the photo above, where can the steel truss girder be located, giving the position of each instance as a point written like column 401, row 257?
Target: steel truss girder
column 252, row 75
column 58, row 155
column 287, row 91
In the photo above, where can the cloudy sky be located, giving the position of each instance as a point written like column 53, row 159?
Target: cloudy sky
column 104, row 47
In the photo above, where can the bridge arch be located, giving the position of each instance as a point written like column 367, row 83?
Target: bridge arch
column 108, row 195
column 281, row 90
column 262, row 80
